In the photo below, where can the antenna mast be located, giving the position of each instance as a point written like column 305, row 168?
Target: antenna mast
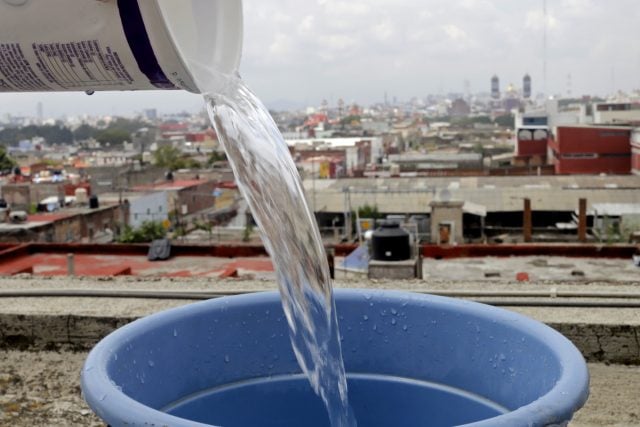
column 544, row 47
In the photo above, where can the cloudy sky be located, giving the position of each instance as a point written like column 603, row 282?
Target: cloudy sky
column 300, row 52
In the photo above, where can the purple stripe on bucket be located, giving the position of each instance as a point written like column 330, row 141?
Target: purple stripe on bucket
column 140, row 44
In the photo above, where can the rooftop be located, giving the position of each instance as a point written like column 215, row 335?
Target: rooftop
column 496, row 194
column 171, row 185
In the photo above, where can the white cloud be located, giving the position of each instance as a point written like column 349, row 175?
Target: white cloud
column 282, row 45
column 383, row 31
column 358, row 49
column 306, row 25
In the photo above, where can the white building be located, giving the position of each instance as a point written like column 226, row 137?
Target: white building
column 148, row 207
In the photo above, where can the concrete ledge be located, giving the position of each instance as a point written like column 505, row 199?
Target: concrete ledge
column 57, row 332
column 393, row 270
column 597, row 342
column 604, row 343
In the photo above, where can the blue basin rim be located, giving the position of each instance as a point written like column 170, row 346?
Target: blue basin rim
column 569, row 393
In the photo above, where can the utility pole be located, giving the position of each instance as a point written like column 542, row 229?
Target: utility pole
column 544, row 47
column 313, row 181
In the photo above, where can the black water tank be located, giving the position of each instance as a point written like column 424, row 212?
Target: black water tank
column 93, row 202
column 390, row 243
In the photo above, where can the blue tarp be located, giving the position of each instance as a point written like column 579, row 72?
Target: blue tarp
column 358, row 259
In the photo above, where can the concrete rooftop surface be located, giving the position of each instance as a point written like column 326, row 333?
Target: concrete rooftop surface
column 46, row 338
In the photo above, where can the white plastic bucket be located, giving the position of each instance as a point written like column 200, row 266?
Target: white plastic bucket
column 95, row 45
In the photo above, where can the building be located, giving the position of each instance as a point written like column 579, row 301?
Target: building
column 495, row 87
column 616, row 113
column 98, row 225
column 526, row 86
column 635, row 151
column 185, row 197
column 437, row 161
column 459, row 108
column 591, row 150
column 148, row 207
column 357, row 153
column 531, row 146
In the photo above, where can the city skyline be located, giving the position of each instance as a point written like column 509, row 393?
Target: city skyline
column 297, row 54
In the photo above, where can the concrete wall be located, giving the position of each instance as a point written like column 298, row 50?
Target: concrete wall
column 114, row 178
column 150, row 207
column 197, row 197
column 447, row 213
column 600, row 140
column 18, row 196
column 97, row 221
column 83, row 226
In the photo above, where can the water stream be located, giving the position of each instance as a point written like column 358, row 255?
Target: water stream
column 269, row 181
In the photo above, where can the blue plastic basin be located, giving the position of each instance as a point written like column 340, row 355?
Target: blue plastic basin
column 412, row 360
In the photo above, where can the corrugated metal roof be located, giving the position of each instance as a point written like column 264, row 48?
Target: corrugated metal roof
column 615, row 209
column 402, row 195
column 474, row 209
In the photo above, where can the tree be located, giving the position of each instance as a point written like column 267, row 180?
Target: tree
column 367, row 211
column 216, row 157
column 506, row 121
column 171, row 158
column 53, row 134
column 84, row 132
column 147, row 232
column 113, row 136
column 168, row 157
column 6, row 162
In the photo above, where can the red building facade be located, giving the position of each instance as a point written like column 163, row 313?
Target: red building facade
column 531, row 148
column 635, row 152
column 591, row 150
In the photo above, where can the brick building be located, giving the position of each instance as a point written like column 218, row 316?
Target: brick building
column 67, row 226
column 635, row 151
column 186, row 196
column 531, row 146
column 591, row 150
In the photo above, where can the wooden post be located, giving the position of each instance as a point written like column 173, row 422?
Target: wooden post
column 582, row 221
column 527, row 227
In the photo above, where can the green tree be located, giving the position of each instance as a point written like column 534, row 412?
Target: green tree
column 368, row 211
column 349, row 120
column 168, row 157
column 216, row 157
column 6, row 162
column 506, row 121
column 53, row 134
column 147, row 232
column 84, row 131
column 113, row 136
column 171, row 158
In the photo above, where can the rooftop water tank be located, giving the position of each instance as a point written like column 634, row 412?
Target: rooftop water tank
column 94, row 203
column 390, row 243
column 82, row 197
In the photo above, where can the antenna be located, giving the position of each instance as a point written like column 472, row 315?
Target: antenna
column 544, row 47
